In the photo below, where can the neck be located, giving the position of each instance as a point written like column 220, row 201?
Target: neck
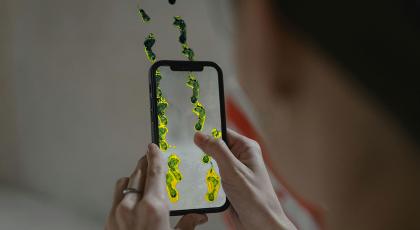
column 370, row 166
column 377, row 181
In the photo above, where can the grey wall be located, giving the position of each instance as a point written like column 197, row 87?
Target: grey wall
column 74, row 96
column 8, row 140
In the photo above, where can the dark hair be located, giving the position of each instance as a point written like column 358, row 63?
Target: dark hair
column 377, row 41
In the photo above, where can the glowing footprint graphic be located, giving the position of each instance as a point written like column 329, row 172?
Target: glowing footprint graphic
column 213, row 185
column 173, row 176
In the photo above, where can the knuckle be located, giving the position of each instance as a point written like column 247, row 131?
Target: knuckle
column 253, row 146
column 218, row 144
column 156, row 158
column 153, row 208
column 156, row 170
column 161, row 198
column 206, row 143
column 124, row 210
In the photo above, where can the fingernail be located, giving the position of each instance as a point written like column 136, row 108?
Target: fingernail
column 150, row 147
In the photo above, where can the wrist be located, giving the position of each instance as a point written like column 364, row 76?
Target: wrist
column 279, row 220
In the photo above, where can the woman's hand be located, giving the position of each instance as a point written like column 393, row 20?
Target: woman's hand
column 254, row 204
column 147, row 207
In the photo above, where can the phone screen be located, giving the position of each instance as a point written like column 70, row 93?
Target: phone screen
column 188, row 97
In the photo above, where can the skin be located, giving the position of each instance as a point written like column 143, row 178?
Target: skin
column 245, row 181
column 360, row 168
column 150, row 208
column 333, row 143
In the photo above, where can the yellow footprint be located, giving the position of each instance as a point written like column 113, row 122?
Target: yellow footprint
column 200, row 112
column 213, row 185
column 173, row 176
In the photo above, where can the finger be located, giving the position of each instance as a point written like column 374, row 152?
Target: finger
column 155, row 181
column 236, row 139
column 190, row 221
column 142, row 165
column 130, row 199
column 136, row 176
column 118, row 196
column 245, row 149
column 217, row 149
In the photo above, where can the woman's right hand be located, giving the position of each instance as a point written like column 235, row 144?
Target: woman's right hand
column 245, row 181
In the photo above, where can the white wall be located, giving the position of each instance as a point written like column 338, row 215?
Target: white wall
column 74, row 102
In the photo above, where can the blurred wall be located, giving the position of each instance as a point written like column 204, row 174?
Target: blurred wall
column 8, row 140
column 74, row 95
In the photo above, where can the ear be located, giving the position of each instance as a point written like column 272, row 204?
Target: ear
column 268, row 54
column 285, row 52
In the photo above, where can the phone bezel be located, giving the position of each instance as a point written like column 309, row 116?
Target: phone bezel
column 186, row 66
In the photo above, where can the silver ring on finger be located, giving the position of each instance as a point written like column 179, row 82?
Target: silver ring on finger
column 131, row 190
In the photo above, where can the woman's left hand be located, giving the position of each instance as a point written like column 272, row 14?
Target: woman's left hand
column 146, row 205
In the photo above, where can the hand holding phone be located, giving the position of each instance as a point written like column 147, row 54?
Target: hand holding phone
column 189, row 128
column 253, row 200
column 145, row 206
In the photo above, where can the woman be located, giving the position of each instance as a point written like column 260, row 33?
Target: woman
column 339, row 112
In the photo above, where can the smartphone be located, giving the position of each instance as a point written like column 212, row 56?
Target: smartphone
column 186, row 97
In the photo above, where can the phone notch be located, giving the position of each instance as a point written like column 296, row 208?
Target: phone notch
column 188, row 66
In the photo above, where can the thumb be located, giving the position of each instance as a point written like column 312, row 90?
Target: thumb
column 190, row 221
column 217, row 149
